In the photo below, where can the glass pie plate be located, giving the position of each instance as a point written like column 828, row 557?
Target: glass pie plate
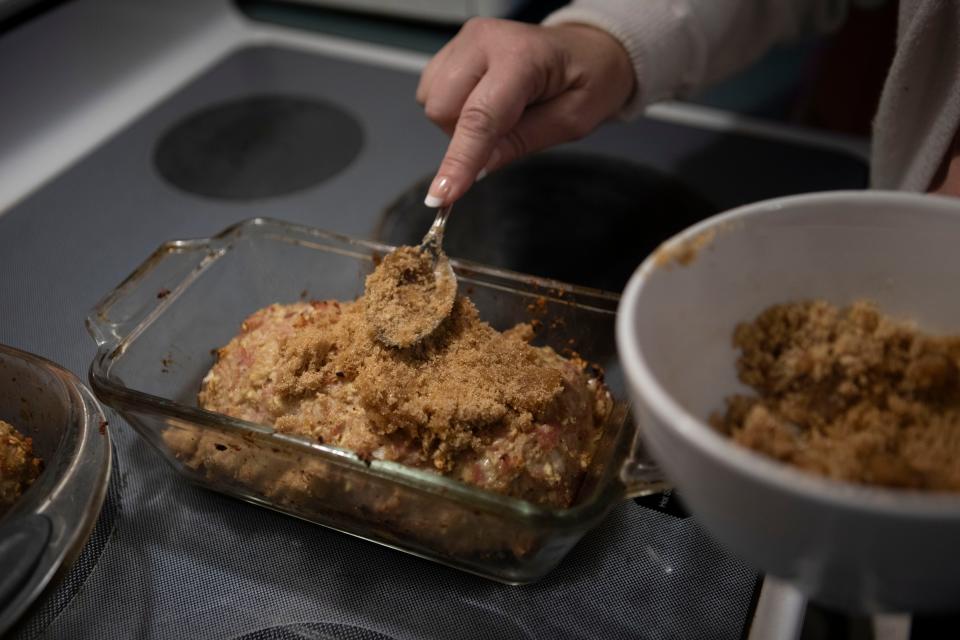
column 157, row 332
column 45, row 529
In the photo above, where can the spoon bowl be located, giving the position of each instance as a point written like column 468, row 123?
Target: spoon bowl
column 413, row 290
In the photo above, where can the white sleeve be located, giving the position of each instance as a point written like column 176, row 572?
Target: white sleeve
column 919, row 111
column 678, row 46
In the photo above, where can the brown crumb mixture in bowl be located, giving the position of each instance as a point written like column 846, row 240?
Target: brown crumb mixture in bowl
column 850, row 394
column 18, row 466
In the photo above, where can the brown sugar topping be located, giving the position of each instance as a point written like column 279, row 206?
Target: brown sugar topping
column 850, row 394
column 480, row 406
column 406, row 298
column 462, row 382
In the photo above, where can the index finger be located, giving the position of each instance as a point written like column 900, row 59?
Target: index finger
column 492, row 109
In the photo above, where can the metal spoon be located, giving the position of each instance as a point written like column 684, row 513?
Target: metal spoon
column 403, row 314
column 432, row 245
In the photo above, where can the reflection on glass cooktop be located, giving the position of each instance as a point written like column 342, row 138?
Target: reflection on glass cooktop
column 582, row 218
column 820, row 623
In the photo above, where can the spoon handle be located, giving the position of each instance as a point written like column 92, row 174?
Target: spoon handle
column 433, row 240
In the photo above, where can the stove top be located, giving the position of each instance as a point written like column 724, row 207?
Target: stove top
column 177, row 561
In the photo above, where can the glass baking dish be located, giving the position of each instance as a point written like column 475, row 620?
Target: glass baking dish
column 156, row 332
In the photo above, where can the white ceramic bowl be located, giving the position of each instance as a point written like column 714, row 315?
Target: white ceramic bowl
column 854, row 547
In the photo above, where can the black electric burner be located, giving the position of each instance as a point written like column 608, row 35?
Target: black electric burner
column 573, row 216
column 258, row 146
column 175, row 561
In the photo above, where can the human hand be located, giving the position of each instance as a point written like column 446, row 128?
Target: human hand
column 503, row 89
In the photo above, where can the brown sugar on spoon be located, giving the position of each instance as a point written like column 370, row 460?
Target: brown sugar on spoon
column 407, row 297
column 849, row 394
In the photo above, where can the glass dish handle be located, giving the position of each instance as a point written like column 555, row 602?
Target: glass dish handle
column 150, row 288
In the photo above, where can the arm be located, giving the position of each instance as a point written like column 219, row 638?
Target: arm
column 503, row 89
column 679, row 46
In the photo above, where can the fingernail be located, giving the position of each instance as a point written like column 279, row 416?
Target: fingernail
column 481, row 175
column 438, row 192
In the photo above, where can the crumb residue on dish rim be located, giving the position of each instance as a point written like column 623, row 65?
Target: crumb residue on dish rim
column 850, row 394
column 685, row 252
